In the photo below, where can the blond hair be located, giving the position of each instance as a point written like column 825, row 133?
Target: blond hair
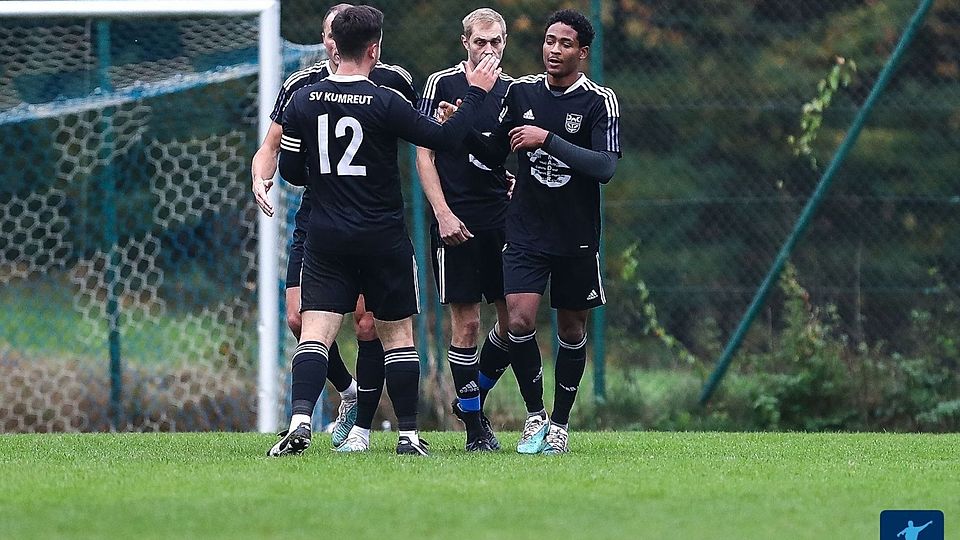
column 482, row 15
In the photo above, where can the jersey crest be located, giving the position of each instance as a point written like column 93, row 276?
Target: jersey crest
column 573, row 122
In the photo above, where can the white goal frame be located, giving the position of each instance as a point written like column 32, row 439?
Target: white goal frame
column 268, row 392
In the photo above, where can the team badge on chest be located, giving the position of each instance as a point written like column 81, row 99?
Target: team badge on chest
column 573, row 122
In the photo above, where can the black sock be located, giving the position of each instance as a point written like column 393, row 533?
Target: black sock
column 309, row 375
column 571, row 359
column 463, row 366
column 494, row 360
column 525, row 359
column 369, row 380
column 336, row 370
column 402, row 369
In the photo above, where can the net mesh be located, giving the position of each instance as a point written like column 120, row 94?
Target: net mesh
column 126, row 226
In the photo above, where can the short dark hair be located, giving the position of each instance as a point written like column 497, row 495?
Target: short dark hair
column 355, row 28
column 575, row 20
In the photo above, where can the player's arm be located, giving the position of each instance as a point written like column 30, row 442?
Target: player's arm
column 264, row 167
column 492, row 150
column 452, row 230
column 419, row 129
column 293, row 158
column 599, row 164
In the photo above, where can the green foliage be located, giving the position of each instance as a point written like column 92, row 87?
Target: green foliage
column 648, row 311
column 802, row 380
column 812, row 119
column 815, row 377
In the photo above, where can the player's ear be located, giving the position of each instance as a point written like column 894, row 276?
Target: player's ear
column 465, row 42
column 584, row 51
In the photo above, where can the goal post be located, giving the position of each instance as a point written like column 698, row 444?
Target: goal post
column 46, row 237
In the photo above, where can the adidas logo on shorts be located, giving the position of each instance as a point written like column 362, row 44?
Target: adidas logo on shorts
column 528, row 115
column 593, row 295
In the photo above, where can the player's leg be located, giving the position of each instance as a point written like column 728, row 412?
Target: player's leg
column 369, row 374
column 327, row 292
column 526, row 362
column 464, row 363
column 495, row 353
column 294, row 320
column 337, row 371
column 309, row 372
column 388, row 281
column 525, row 275
column 576, row 288
column 402, row 370
column 457, row 273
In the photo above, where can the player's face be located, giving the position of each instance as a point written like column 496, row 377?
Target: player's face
column 328, row 42
column 486, row 39
column 562, row 52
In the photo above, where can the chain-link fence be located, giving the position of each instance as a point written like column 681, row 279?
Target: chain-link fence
column 139, row 212
column 711, row 184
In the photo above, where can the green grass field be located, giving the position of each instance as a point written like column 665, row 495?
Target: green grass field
column 612, row 485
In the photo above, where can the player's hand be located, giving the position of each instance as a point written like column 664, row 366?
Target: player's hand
column 511, row 183
column 486, row 73
column 445, row 110
column 527, row 138
column 260, row 189
column 452, row 231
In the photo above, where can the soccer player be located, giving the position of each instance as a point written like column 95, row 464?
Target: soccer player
column 340, row 136
column 370, row 350
column 565, row 128
column 469, row 203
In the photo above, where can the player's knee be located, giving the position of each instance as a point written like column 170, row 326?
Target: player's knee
column 522, row 324
column 294, row 322
column 364, row 327
column 571, row 332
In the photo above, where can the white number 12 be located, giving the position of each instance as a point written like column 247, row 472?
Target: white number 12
column 345, row 167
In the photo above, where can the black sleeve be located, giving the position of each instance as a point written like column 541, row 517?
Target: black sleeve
column 492, row 150
column 599, row 164
column 420, row 130
column 293, row 83
column 292, row 157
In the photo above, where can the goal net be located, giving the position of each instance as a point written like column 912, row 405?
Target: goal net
column 128, row 234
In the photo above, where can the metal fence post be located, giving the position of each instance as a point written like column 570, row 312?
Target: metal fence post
column 109, row 187
column 599, row 314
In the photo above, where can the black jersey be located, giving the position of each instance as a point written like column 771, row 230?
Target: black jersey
column 383, row 74
column 474, row 192
column 555, row 209
column 340, row 138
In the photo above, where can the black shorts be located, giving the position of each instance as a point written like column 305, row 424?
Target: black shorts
column 471, row 271
column 387, row 280
column 575, row 282
column 295, row 261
